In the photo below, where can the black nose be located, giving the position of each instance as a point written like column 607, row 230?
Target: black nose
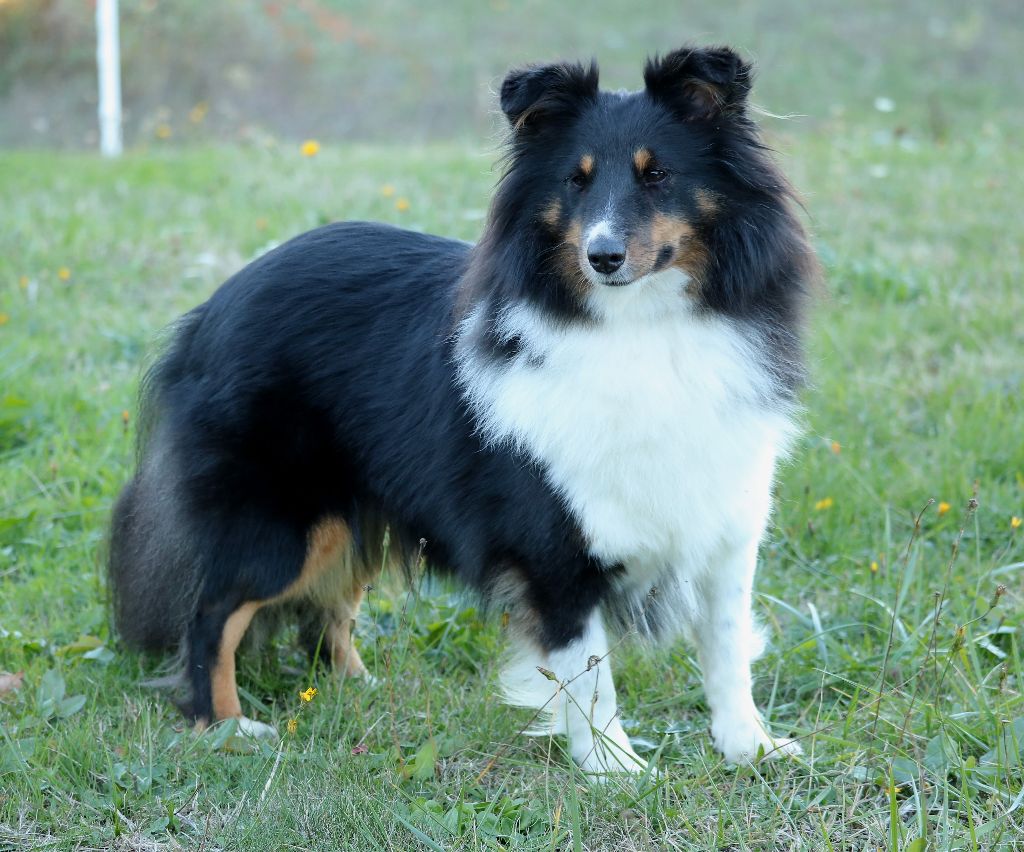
column 606, row 254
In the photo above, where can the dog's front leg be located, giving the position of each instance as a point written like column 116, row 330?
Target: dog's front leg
column 572, row 686
column 728, row 640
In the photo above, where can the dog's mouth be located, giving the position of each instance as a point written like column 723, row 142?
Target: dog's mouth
column 614, row 280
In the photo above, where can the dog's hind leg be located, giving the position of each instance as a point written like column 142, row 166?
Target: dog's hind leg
column 224, row 687
column 327, row 636
column 250, row 561
column 336, row 595
column 213, row 641
column 344, row 654
column 270, row 564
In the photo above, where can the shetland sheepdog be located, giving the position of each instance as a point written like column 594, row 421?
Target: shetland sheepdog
column 580, row 415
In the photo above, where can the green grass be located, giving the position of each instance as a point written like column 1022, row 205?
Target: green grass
column 917, row 359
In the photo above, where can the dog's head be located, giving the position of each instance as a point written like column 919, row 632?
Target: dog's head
column 615, row 186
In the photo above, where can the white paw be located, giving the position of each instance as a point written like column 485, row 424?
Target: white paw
column 602, row 762
column 257, row 730
column 740, row 740
column 607, row 755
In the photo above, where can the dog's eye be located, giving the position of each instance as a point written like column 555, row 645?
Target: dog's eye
column 578, row 180
column 652, row 177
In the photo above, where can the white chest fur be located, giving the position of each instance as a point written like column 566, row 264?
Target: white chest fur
column 652, row 423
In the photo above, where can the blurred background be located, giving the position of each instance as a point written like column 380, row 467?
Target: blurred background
column 245, row 70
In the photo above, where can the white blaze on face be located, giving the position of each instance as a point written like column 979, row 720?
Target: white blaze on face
column 604, row 228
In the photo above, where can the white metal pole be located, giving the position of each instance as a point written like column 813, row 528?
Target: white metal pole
column 108, row 63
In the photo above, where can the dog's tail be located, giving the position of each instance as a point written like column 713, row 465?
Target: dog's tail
column 152, row 573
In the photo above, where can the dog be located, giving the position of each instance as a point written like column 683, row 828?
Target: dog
column 580, row 415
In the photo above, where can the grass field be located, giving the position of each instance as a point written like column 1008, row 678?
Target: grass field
column 894, row 606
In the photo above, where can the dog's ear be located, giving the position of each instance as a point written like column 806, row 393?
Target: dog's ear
column 531, row 95
column 700, row 83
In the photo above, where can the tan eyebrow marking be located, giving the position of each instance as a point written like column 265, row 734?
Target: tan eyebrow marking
column 642, row 159
column 587, row 164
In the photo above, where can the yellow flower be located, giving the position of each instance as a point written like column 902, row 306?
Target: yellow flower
column 23, row 282
column 943, row 507
column 309, row 694
column 310, row 148
column 387, row 190
column 874, row 567
column 261, row 223
column 4, row 318
column 63, row 273
column 293, row 725
column 837, row 448
column 1015, row 523
column 825, row 503
column 402, row 204
column 163, row 131
column 198, row 112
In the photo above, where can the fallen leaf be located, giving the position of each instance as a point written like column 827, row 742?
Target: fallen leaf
column 81, row 645
column 11, row 682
